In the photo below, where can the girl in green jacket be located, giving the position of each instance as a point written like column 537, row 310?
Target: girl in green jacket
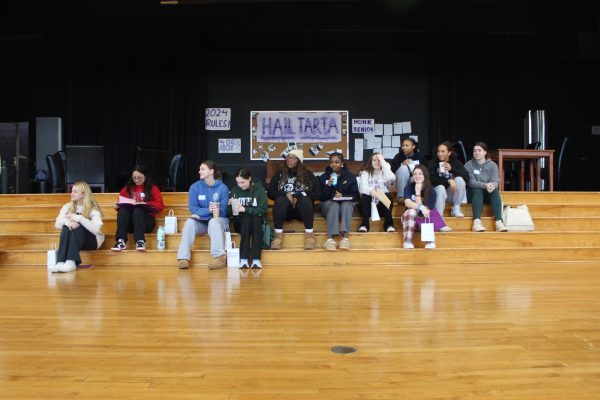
column 248, row 206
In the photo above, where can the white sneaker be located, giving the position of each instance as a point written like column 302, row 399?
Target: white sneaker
column 500, row 227
column 456, row 212
column 477, row 226
column 56, row 267
column 445, row 229
column 330, row 244
column 408, row 245
column 68, row 266
column 243, row 264
column 430, row 245
column 390, row 229
column 363, row 229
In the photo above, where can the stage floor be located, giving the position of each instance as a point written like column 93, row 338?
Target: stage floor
column 518, row 331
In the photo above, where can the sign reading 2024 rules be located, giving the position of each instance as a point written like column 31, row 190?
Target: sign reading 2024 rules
column 217, row 119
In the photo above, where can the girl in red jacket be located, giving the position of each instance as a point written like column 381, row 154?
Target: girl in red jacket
column 138, row 214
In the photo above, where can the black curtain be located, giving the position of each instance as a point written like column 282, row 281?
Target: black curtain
column 458, row 77
column 137, row 91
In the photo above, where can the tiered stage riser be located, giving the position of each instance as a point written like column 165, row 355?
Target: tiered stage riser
column 567, row 229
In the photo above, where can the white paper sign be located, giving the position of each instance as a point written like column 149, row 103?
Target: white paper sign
column 230, row 145
column 396, row 141
column 369, row 141
column 389, row 152
column 397, row 128
column 377, row 143
column 387, row 141
column 217, row 119
column 358, row 149
column 378, row 129
column 415, row 137
column 388, row 129
column 363, row 126
column 406, row 127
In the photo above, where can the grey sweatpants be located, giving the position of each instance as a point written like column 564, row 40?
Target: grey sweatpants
column 333, row 211
column 215, row 227
column 447, row 195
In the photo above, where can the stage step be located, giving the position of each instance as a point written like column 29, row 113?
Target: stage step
column 551, row 223
column 371, row 257
column 371, row 240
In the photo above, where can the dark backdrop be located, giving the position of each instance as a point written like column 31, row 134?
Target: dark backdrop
column 141, row 76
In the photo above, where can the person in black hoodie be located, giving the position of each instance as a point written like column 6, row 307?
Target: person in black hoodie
column 449, row 179
column 404, row 163
column 339, row 192
column 248, row 206
column 294, row 189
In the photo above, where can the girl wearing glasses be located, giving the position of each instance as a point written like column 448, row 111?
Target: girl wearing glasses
column 139, row 215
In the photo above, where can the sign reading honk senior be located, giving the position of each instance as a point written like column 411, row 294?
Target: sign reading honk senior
column 298, row 126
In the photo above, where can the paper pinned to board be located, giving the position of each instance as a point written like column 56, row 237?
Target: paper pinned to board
column 358, row 149
column 369, row 141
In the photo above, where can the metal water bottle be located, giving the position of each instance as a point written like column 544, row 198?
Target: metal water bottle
column 160, row 239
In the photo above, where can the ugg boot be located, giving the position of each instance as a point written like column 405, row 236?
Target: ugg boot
column 277, row 243
column 309, row 241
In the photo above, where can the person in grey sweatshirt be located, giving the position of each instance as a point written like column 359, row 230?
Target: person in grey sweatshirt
column 483, row 187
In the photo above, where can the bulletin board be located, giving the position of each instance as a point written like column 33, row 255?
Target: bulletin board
column 313, row 147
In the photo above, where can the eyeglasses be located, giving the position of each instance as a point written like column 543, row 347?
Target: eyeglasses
column 137, row 178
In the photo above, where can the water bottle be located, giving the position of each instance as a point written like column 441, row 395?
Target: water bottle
column 160, row 239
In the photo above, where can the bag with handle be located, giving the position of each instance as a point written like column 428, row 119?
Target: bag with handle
column 233, row 253
column 170, row 223
column 427, row 231
column 517, row 218
column 51, row 257
column 434, row 217
column 374, row 212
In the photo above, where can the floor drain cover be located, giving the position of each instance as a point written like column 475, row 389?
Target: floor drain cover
column 343, row 349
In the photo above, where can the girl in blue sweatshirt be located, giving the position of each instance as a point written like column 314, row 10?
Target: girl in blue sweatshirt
column 207, row 202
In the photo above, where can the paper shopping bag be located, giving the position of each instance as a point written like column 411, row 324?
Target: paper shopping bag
column 233, row 256
column 51, row 258
column 374, row 212
column 171, row 223
column 427, row 231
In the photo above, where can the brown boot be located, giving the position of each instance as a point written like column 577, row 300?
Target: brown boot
column 277, row 243
column 218, row 262
column 309, row 241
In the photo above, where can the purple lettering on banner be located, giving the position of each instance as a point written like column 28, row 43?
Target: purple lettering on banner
column 277, row 127
column 299, row 126
column 266, row 126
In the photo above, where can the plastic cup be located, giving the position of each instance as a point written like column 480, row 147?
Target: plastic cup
column 442, row 168
column 234, row 205
column 216, row 210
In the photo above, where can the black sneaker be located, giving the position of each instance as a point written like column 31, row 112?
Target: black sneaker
column 140, row 245
column 120, row 245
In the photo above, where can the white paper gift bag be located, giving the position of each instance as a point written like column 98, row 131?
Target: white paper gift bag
column 427, row 231
column 233, row 256
column 374, row 212
column 171, row 223
column 51, row 258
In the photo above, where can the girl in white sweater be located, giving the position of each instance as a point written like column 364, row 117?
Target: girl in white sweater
column 80, row 223
column 376, row 175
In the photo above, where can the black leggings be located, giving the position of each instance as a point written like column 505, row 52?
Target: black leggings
column 72, row 241
column 249, row 226
column 136, row 221
column 283, row 211
column 365, row 210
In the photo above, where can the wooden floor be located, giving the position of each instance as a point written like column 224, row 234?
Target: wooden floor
column 445, row 331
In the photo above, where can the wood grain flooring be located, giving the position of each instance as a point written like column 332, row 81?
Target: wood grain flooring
column 444, row 331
